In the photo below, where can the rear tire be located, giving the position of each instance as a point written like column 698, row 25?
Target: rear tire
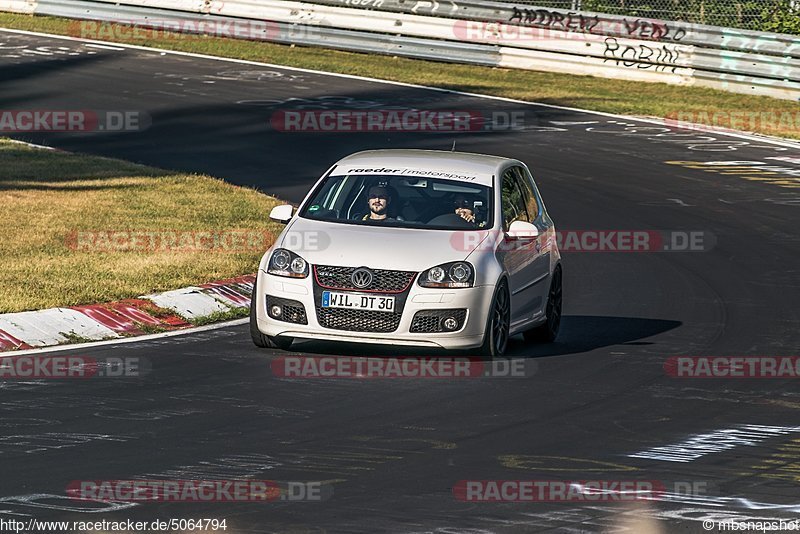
column 261, row 340
column 495, row 340
column 548, row 331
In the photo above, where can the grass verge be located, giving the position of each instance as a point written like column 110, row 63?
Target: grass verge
column 82, row 229
column 614, row 96
column 218, row 317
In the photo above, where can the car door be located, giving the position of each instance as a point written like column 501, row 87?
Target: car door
column 541, row 252
column 519, row 256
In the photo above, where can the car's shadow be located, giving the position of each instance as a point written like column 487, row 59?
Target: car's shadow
column 579, row 333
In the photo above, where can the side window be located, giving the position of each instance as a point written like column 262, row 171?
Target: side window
column 531, row 203
column 512, row 200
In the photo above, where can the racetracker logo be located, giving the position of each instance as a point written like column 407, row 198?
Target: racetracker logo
column 748, row 120
column 733, row 367
column 588, row 241
column 492, row 31
column 347, row 120
column 557, row 490
column 75, row 120
column 197, row 490
column 151, row 241
column 59, row 367
column 183, row 30
column 403, row 367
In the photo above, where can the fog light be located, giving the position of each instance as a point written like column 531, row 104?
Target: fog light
column 276, row 311
column 450, row 324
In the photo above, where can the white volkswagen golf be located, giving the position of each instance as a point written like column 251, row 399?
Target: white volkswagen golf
column 415, row 248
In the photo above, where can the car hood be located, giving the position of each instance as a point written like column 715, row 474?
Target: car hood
column 402, row 249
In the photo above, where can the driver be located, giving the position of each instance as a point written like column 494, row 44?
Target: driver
column 378, row 200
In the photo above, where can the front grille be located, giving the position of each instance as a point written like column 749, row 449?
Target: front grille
column 293, row 310
column 431, row 320
column 332, row 277
column 358, row 320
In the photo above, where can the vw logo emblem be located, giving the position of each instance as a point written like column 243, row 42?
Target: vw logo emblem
column 362, row 278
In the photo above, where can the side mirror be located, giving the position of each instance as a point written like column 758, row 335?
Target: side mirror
column 282, row 213
column 522, row 230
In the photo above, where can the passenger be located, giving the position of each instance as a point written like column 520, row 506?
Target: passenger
column 464, row 209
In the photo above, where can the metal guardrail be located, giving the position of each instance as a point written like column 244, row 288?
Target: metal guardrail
column 751, row 15
column 620, row 50
column 602, row 47
column 587, row 22
column 18, row 6
column 278, row 32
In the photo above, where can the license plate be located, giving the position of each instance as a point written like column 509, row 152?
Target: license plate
column 332, row 299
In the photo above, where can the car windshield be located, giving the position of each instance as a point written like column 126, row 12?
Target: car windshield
column 385, row 200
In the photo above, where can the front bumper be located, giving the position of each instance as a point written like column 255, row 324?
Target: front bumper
column 476, row 300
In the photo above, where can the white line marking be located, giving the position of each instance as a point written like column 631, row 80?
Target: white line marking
column 648, row 120
column 680, row 202
column 104, row 47
column 32, row 145
column 700, row 445
column 148, row 337
column 572, row 123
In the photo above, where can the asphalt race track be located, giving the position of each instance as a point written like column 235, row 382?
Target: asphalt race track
column 389, row 452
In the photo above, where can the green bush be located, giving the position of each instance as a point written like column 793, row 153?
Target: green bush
column 783, row 18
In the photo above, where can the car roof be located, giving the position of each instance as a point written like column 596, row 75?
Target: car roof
column 477, row 168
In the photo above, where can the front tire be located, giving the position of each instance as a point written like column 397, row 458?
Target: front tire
column 548, row 332
column 495, row 341
column 261, row 340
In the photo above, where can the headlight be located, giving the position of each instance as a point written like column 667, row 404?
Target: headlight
column 449, row 275
column 286, row 263
column 436, row 275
